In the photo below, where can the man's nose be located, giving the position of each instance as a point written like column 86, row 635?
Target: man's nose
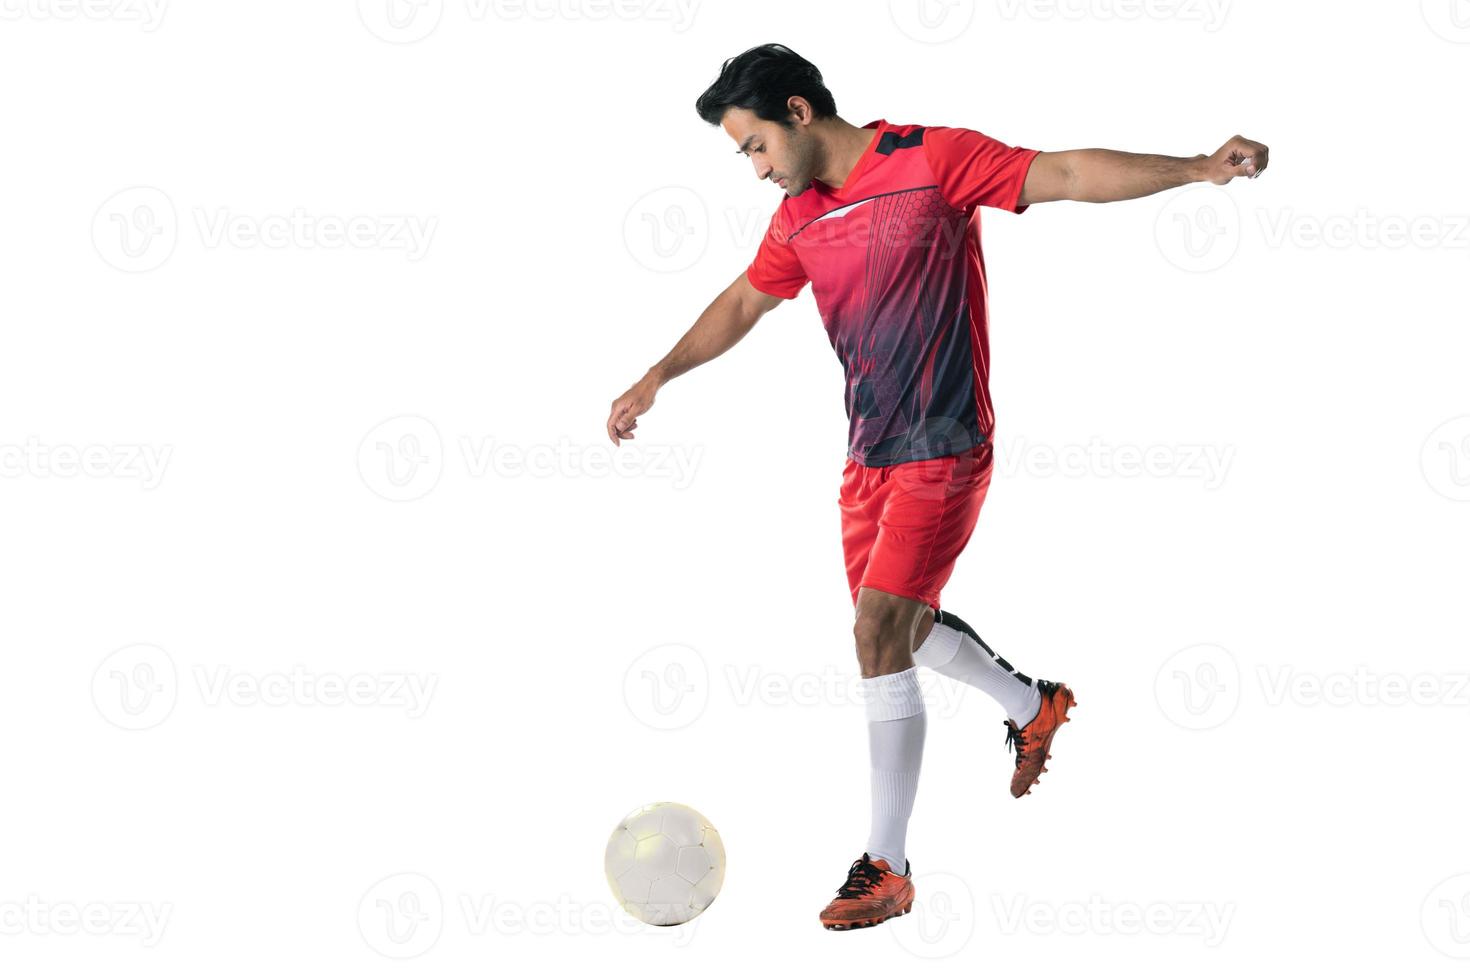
column 763, row 173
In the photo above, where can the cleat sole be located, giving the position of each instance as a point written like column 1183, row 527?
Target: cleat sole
column 867, row 923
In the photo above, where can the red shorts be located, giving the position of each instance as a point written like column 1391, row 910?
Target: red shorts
column 904, row 525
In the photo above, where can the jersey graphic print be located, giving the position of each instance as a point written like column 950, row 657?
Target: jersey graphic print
column 896, row 270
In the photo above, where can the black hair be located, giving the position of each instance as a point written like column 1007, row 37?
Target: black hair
column 761, row 79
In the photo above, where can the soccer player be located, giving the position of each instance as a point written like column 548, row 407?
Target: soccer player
column 883, row 220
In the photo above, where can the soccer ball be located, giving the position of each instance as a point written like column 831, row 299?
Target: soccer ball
column 665, row 863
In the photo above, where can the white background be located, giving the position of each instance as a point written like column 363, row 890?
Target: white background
column 383, row 460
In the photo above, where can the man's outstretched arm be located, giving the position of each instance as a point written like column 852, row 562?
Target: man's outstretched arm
column 1099, row 176
column 722, row 325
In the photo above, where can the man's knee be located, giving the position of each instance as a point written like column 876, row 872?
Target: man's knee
column 876, row 625
column 883, row 630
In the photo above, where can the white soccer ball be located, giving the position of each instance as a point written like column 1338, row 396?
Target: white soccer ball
column 665, row 863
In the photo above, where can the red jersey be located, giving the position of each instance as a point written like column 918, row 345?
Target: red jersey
column 895, row 264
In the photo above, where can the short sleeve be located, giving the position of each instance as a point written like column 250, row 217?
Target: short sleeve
column 776, row 269
column 973, row 169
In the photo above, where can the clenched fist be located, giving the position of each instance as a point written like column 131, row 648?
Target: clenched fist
column 1239, row 157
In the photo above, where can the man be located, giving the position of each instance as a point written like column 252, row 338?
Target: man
column 884, row 221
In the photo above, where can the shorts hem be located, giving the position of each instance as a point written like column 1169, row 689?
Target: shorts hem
column 904, row 592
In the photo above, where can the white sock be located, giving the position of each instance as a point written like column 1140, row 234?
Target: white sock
column 953, row 649
column 896, row 724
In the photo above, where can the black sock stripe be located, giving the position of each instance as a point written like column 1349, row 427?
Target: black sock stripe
column 954, row 622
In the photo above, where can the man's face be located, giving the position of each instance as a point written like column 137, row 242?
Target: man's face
column 785, row 157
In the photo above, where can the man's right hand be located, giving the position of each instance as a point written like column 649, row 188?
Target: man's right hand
column 626, row 408
column 727, row 319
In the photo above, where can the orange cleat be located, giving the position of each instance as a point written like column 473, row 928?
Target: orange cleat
column 872, row 894
column 1033, row 743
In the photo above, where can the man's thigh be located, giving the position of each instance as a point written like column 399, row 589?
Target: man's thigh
column 879, row 606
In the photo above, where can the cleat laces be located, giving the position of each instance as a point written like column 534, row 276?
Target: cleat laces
column 862, row 878
column 1015, row 741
